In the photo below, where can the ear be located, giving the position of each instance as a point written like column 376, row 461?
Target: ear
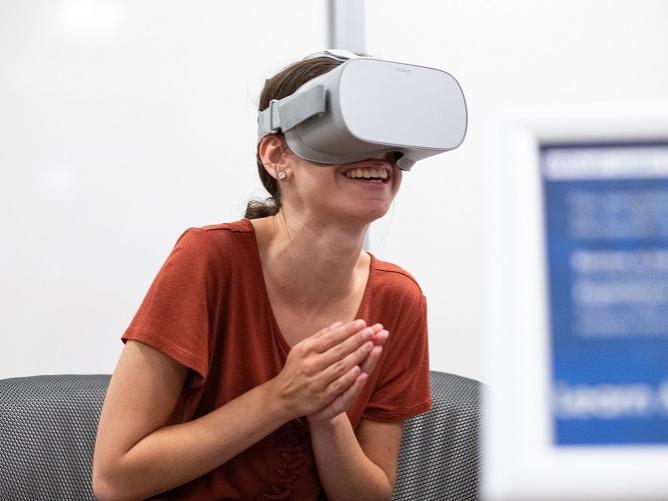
column 271, row 151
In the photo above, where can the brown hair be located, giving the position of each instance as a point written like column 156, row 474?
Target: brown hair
column 281, row 85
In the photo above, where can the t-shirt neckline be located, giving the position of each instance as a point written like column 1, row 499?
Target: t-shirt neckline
column 265, row 292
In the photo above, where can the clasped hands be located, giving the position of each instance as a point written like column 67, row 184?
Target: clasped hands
column 325, row 373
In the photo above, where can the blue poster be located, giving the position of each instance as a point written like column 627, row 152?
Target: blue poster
column 606, row 230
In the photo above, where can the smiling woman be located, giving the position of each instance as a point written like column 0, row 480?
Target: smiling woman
column 272, row 356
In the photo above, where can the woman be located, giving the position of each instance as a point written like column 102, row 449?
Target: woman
column 271, row 357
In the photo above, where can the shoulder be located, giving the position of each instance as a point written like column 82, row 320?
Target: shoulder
column 216, row 241
column 212, row 234
column 241, row 226
column 394, row 281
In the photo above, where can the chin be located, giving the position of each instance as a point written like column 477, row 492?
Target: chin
column 356, row 212
column 367, row 215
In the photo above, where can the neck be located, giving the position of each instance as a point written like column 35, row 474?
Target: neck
column 310, row 264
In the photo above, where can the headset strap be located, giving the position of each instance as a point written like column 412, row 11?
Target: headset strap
column 342, row 55
column 282, row 115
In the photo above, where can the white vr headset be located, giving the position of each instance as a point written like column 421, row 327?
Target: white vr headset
column 368, row 106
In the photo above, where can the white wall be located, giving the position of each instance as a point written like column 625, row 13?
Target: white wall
column 515, row 53
column 122, row 123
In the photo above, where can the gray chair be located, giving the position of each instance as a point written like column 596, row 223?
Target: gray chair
column 48, row 426
column 439, row 457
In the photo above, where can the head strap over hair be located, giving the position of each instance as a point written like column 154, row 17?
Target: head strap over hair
column 284, row 114
column 342, row 55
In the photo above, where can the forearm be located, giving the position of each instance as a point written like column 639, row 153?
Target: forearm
column 174, row 455
column 338, row 456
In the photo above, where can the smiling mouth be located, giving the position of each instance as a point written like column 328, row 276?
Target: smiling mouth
column 370, row 172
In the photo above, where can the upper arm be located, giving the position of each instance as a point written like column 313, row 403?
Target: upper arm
column 142, row 394
column 380, row 442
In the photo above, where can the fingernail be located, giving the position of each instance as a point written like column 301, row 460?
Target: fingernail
column 359, row 323
column 367, row 346
column 334, row 325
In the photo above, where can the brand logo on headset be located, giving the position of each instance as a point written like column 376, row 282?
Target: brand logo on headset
column 402, row 70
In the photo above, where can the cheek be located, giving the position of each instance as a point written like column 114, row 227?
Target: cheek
column 398, row 176
column 316, row 181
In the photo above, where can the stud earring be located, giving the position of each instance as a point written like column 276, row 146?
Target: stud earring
column 282, row 175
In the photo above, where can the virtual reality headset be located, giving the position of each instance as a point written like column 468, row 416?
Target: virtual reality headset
column 368, row 106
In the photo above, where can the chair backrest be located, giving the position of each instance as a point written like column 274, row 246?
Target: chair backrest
column 47, row 431
column 440, row 450
column 48, row 426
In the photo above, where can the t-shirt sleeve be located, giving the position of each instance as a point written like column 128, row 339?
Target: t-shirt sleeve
column 402, row 390
column 175, row 315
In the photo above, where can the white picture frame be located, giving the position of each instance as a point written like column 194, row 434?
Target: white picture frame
column 520, row 460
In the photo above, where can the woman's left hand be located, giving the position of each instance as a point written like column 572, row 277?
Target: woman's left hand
column 344, row 401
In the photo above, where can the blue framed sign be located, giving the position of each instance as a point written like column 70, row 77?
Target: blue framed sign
column 606, row 234
column 576, row 303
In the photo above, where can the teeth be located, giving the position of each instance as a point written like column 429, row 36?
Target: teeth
column 367, row 173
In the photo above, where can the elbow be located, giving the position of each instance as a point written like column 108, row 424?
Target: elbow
column 102, row 490
column 105, row 489
column 384, row 495
column 384, row 492
column 392, row 484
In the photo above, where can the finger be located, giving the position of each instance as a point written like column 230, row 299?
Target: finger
column 326, row 330
column 380, row 338
column 344, row 401
column 372, row 360
column 341, row 384
column 339, row 368
column 350, row 345
column 335, row 334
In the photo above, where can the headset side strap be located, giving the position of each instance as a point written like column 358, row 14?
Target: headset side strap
column 283, row 115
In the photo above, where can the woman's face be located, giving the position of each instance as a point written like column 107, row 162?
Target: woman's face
column 360, row 191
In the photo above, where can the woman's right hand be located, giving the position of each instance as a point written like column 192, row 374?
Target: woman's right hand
column 323, row 366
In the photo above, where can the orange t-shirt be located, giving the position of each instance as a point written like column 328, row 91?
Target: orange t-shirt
column 208, row 309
